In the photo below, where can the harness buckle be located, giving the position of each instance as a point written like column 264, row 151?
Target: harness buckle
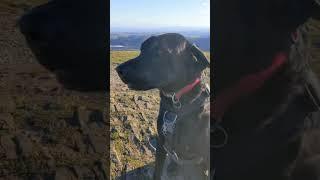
column 169, row 122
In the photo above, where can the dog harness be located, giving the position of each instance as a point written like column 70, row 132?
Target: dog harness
column 179, row 111
column 169, row 117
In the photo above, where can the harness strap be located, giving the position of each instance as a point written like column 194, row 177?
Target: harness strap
column 173, row 155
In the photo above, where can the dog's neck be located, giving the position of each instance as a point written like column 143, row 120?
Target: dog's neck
column 184, row 95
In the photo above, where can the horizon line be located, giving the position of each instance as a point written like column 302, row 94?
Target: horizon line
column 157, row 27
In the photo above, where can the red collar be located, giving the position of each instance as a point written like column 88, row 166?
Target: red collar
column 184, row 90
column 187, row 88
column 245, row 86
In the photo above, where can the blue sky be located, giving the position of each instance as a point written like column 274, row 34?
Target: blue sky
column 160, row 13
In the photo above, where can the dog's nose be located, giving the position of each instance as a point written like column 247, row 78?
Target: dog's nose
column 121, row 71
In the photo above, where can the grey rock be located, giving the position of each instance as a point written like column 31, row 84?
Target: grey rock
column 98, row 143
column 124, row 118
column 88, row 119
column 97, row 117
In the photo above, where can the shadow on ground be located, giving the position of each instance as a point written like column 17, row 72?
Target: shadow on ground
column 141, row 173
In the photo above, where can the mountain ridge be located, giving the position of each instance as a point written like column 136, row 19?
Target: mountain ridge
column 133, row 40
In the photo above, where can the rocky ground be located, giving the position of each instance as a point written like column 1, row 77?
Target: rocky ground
column 46, row 131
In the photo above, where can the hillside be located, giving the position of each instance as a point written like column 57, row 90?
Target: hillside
column 44, row 128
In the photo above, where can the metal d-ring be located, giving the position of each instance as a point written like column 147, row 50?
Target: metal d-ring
column 176, row 102
column 225, row 135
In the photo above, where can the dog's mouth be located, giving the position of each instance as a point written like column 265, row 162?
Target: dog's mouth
column 133, row 80
column 139, row 87
column 72, row 80
column 65, row 78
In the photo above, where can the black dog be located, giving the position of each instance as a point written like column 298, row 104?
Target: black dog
column 265, row 91
column 170, row 63
column 69, row 37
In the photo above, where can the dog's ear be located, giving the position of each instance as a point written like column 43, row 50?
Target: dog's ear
column 200, row 57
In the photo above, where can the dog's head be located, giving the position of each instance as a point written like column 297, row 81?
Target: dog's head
column 69, row 38
column 166, row 62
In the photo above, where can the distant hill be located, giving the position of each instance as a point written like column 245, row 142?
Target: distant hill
column 133, row 40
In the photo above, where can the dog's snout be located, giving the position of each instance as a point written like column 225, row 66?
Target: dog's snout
column 25, row 25
column 35, row 28
column 122, row 71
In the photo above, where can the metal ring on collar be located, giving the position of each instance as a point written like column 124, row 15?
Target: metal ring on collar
column 225, row 134
column 176, row 102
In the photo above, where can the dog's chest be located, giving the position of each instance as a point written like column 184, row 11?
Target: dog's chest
column 191, row 136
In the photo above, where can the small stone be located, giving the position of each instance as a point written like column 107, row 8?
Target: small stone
column 96, row 119
column 6, row 122
column 124, row 118
column 80, row 118
column 113, row 130
column 24, row 145
column 6, row 103
column 79, row 143
column 149, row 130
column 98, row 143
column 83, row 172
column 100, row 170
column 140, row 98
column 9, row 147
